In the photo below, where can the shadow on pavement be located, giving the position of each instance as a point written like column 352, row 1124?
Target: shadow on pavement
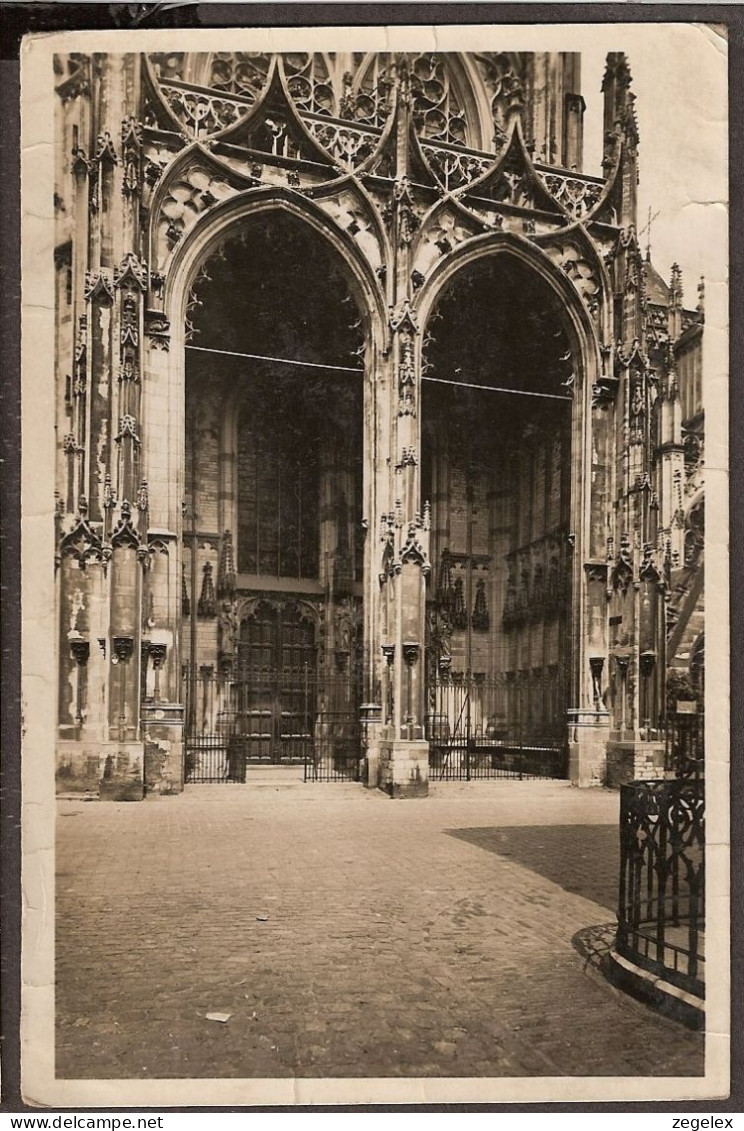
column 583, row 859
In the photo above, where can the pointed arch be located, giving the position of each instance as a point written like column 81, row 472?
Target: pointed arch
column 526, row 251
column 214, row 225
column 585, row 356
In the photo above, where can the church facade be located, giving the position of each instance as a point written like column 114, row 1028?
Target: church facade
column 380, row 441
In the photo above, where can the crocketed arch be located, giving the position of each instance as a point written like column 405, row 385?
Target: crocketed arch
column 215, row 225
column 582, row 333
column 210, row 91
column 456, row 99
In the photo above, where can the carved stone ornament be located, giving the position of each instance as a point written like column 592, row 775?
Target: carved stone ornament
column 131, row 272
column 576, row 194
column 207, row 605
column 622, row 571
column 131, row 149
column 129, row 329
column 99, row 287
column 596, row 665
column 604, row 391
column 648, row 570
column 388, row 651
column 127, row 428
column 410, row 652
column 459, row 611
column 109, row 497
column 77, row 83
column 158, row 653
column 80, row 651
column 480, row 620
column 81, row 166
column 596, row 571
column 226, row 577
column 105, row 153
column 228, row 626
column 157, row 329
column 124, row 533
column 413, row 548
column 81, row 543
column 185, row 601
column 123, row 646
column 405, row 217
column 406, row 377
column 404, row 318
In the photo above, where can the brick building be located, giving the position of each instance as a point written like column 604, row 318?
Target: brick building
column 380, row 440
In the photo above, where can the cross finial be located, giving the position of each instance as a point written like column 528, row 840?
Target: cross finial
column 647, row 230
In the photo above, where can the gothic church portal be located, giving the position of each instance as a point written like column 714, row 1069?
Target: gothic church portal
column 380, row 439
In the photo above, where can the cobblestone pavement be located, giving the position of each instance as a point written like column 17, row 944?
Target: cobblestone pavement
column 346, row 935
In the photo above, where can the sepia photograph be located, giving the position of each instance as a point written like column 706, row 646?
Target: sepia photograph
column 367, row 375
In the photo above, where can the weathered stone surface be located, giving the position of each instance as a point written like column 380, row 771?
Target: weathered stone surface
column 554, row 544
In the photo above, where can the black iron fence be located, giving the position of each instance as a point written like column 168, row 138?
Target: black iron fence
column 336, row 750
column 661, row 914
column 507, row 726
column 271, row 717
column 685, row 743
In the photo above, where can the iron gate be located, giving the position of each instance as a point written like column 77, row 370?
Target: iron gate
column 271, row 717
column 506, row 726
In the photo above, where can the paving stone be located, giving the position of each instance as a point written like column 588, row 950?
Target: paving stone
column 402, row 940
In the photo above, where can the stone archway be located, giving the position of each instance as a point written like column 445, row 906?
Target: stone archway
column 528, row 612
column 273, row 497
column 498, row 372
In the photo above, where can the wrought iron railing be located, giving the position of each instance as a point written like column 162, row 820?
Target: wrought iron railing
column 271, row 716
column 685, row 743
column 510, row 725
column 661, row 914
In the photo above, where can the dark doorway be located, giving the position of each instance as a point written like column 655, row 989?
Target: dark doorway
column 498, row 377
column 273, row 553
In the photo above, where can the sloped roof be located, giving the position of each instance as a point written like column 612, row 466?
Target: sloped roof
column 657, row 290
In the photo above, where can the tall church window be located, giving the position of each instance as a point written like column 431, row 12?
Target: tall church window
column 277, row 496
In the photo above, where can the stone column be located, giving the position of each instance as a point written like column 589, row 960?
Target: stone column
column 404, row 752
column 589, row 722
column 117, row 282
column 404, row 755
column 376, row 425
column 589, row 719
column 162, row 411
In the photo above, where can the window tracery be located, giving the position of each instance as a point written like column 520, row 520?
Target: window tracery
column 503, row 76
column 239, row 72
column 437, row 109
column 211, row 91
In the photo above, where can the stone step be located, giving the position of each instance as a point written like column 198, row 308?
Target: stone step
column 273, row 775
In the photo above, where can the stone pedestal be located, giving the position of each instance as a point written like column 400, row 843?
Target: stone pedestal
column 404, row 767
column 122, row 775
column 162, row 732
column 79, row 766
column 372, row 730
column 588, row 734
column 629, row 761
